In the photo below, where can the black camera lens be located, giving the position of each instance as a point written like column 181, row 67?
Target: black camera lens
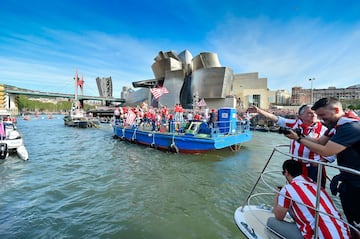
column 284, row 130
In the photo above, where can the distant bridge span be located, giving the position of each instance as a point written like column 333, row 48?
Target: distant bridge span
column 62, row 95
column 8, row 97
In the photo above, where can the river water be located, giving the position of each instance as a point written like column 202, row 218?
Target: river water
column 82, row 183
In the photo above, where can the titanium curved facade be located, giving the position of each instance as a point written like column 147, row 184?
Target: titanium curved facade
column 185, row 77
column 105, row 87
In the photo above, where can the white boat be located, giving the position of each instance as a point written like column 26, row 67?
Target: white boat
column 77, row 116
column 11, row 140
column 252, row 216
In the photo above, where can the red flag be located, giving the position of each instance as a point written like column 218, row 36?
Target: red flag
column 80, row 82
column 158, row 91
column 130, row 117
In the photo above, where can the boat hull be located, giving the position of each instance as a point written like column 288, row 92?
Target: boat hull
column 22, row 152
column 180, row 142
column 80, row 123
column 251, row 220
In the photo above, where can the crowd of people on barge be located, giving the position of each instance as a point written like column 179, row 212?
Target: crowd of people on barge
column 163, row 117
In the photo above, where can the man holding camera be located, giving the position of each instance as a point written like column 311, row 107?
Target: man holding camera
column 306, row 123
column 343, row 140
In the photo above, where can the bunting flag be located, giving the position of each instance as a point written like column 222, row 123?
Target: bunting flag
column 202, row 103
column 130, row 117
column 158, row 91
column 2, row 130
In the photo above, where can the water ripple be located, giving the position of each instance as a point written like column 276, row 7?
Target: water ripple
column 81, row 183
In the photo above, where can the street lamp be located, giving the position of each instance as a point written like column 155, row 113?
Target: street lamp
column 311, row 97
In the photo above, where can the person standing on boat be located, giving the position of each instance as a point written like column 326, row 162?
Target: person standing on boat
column 298, row 197
column 310, row 126
column 212, row 118
column 117, row 115
column 343, row 139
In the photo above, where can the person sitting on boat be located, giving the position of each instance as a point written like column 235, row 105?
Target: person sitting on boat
column 298, row 197
column 343, row 139
column 197, row 117
column 310, row 126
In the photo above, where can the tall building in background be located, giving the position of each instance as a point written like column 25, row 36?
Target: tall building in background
column 105, row 87
column 283, row 97
column 301, row 96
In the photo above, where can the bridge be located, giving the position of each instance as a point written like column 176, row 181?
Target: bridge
column 8, row 97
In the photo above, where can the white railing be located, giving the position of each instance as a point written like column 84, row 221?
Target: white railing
column 320, row 164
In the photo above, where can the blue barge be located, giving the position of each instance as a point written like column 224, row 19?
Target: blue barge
column 191, row 137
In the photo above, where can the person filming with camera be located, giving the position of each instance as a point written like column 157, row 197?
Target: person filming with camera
column 343, row 139
column 306, row 124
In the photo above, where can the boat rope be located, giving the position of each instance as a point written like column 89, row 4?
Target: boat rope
column 152, row 145
column 133, row 138
column 173, row 148
column 123, row 133
column 173, row 140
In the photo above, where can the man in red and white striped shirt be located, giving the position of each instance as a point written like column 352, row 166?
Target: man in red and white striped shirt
column 308, row 123
column 300, row 195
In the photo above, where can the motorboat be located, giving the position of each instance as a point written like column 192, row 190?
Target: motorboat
column 190, row 137
column 252, row 216
column 77, row 116
column 11, row 140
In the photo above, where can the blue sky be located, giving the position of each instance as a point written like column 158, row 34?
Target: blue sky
column 286, row 41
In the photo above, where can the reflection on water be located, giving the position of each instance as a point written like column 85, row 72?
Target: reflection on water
column 81, row 183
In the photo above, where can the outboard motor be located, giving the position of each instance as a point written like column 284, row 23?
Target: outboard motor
column 3, row 150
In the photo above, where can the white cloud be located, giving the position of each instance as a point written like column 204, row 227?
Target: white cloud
column 289, row 53
column 48, row 62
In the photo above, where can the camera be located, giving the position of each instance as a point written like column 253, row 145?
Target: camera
column 286, row 130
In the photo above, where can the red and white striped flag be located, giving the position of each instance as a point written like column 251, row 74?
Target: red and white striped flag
column 158, row 91
column 130, row 117
column 202, row 103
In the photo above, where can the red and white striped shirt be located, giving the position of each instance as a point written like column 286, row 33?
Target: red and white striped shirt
column 300, row 194
column 314, row 131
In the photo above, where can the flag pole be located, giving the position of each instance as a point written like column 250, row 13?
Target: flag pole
column 76, row 84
